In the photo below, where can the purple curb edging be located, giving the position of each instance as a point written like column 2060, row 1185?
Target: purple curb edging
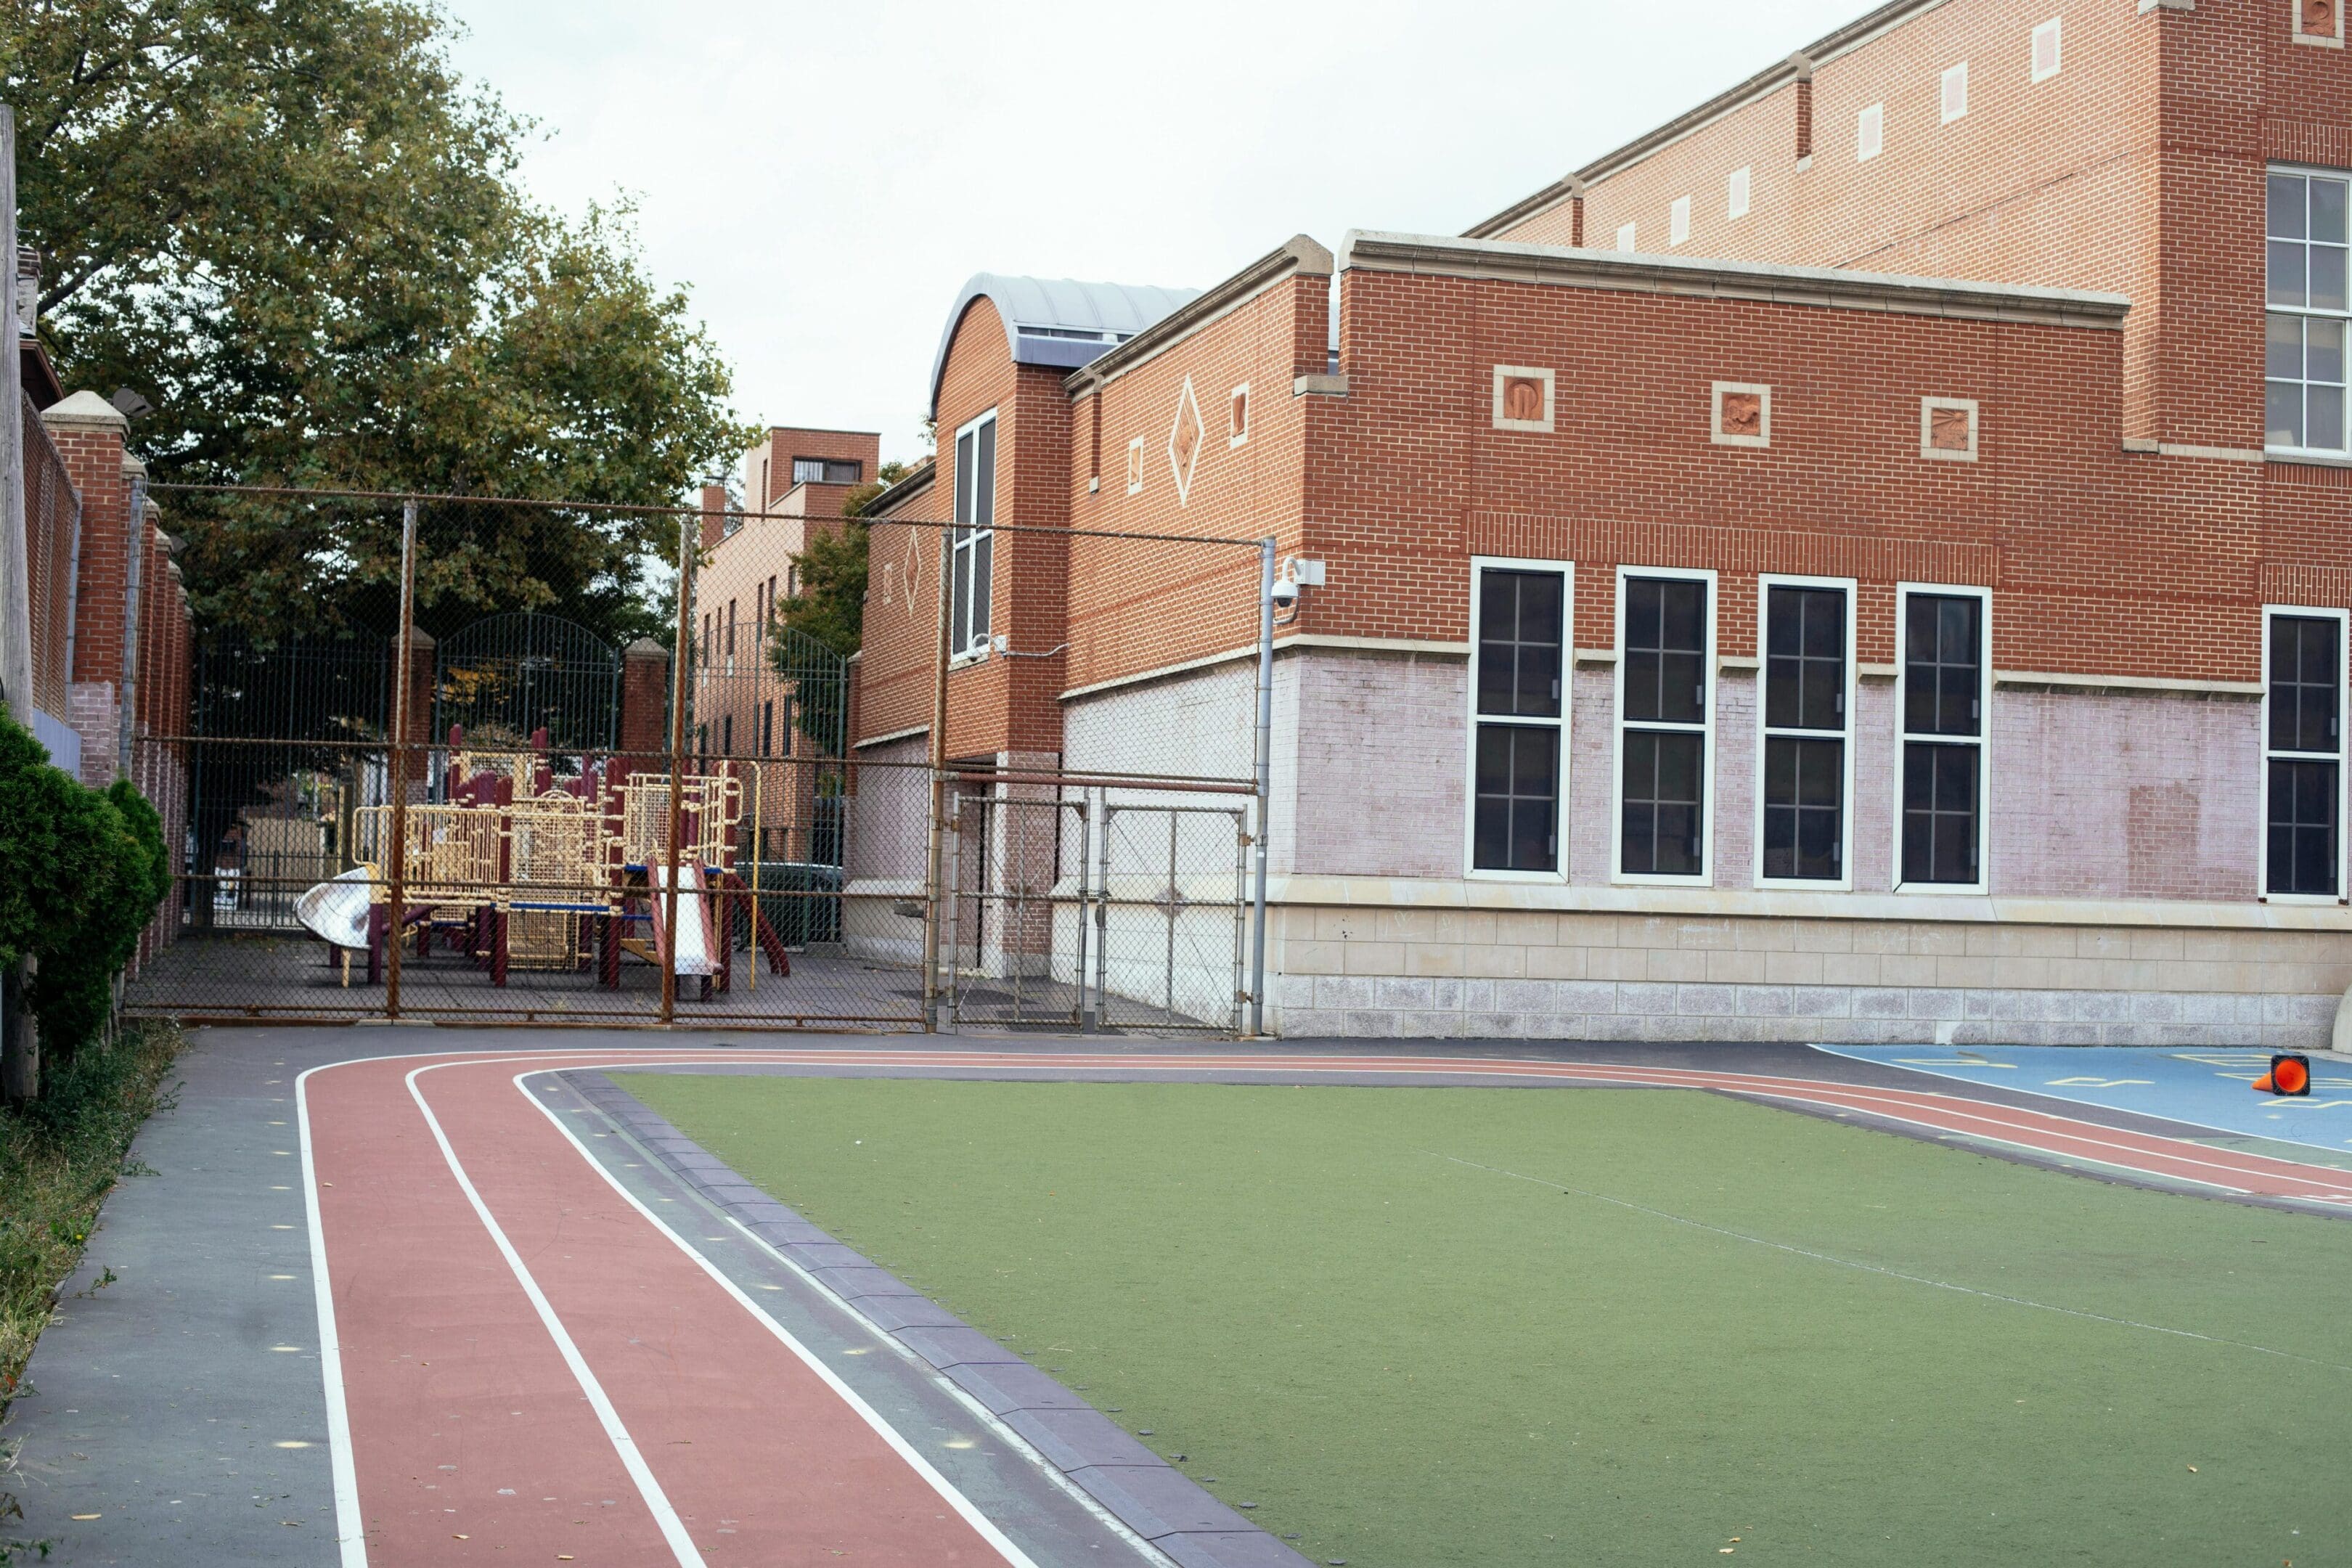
column 1102, row 1458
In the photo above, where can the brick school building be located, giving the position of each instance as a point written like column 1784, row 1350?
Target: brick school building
column 1867, row 561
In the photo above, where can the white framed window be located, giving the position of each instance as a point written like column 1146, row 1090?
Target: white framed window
column 1954, row 95
column 1624, row 237
column 1870, row 134
column 2309, row 316
column 2302, row 754
column 1664, row 725
column 1736, row 193
column 1237, row 415
column 1520, row 614
column 1135, row 466
column 1942, row 699
column 2046, row 58
column 1679, row 221
column 1805, row 715
column 974, row 548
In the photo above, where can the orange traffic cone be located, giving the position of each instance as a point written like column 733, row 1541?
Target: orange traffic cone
column 2288, row 1075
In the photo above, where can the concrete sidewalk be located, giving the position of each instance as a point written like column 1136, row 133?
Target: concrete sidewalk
column 181, row 1407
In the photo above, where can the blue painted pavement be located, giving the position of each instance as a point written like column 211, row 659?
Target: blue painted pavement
column 2212, row 1089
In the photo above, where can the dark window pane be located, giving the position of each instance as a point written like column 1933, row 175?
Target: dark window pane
column 2302, row 827
column 982, row 548
column 2286, row 285
column 2286, row 216
column 1805, row 675
column 1520, row 636
column 1804, row 791
column 2326, row 278
column 2282, row 415
column 2282, row 352
column 1516, row 824
column 2323, row 416
column 2323, row 345
column 1662, row 798
column 984, row 483
column 1665, row 650
column 1943, row 668
column 2305, row 684
column 2327, row 211
column 963, row 482
column 1940, row 813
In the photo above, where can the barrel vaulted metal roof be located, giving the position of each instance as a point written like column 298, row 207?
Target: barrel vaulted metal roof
column 1058, row 321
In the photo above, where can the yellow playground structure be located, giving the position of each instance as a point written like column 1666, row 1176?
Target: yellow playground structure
column 515, row 867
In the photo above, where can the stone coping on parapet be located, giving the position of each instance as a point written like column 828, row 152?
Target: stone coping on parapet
column 1089, row 1450
column 1834, row 288
column 1551, row 897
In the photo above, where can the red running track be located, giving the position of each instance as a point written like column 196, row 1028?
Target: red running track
column 523, row 1363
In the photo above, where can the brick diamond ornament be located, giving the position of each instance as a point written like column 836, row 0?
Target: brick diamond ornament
column 1184, row 439
column 911, row 573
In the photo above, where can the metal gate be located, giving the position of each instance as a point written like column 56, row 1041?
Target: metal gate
column 1095, row 907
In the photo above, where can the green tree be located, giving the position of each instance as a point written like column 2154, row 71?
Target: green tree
column 830, row 607
column 297, row 232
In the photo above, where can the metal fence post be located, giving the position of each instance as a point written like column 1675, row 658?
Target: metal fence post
column 679, row 689
column 403, row 651
column 933, row 891
column 1265, row 778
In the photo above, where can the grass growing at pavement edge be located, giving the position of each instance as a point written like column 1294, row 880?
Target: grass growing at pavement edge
column 60, row 1156
column 1420, row 1327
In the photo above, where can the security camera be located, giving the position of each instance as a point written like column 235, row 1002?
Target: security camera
column 1286, row 592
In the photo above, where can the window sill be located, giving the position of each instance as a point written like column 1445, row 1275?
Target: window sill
column 1638, row 879
column 1803, row 885
column 2307, row 460
column 967, row 659
column 1942, row 890
column 1524, row 878
column 2308, row 901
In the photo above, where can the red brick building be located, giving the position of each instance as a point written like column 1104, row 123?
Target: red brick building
column 1866, row 561
column 794, row 483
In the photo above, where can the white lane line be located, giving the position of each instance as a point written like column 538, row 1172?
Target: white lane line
column 946, row 1488
column 672, row 1529
column 979, row 1412
column 351, row 1530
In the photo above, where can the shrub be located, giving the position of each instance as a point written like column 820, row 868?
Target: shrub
column 82, row 873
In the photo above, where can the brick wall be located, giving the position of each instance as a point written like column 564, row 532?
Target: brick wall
column 2137, row 169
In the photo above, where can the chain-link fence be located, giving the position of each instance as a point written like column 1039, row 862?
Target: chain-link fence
column 394, row 806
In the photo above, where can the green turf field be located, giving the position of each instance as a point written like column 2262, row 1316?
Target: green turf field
column 1376, row 1314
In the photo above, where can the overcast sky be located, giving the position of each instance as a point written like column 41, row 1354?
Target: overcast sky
column 825, row 177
